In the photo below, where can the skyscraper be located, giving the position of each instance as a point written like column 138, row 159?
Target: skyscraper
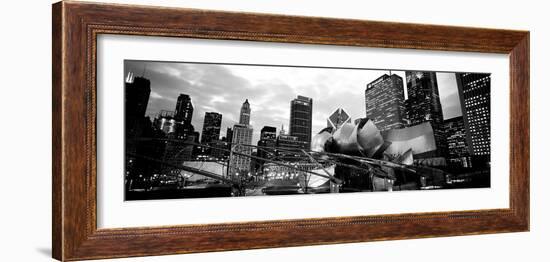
column 423, row 105
column 456, row 142
column 184, row 109
column 183, row 114
column 474, row 93
column 301, row 112
column 338, row 118
column 239, row 161
column 137, row 91
column 385, row 102
column 211, row 127
column 244, row 117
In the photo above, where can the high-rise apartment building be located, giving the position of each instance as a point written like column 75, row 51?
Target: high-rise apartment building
column 385, row 102
column 474, row 92
column 301, row 112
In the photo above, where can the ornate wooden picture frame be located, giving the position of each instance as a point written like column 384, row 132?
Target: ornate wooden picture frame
column 76, row 27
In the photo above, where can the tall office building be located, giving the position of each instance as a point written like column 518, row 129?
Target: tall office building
column 239, row 162
column 385, row 102
column 456, row 142
column 338, row 118
column 184, row 109
column 137, row 91
column 183, row 114
column 474, row 93
column 244, row 116
column 423, row 105
column 211, row 127
column 301, row 112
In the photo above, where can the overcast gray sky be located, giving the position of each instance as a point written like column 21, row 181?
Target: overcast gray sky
column 269, row 89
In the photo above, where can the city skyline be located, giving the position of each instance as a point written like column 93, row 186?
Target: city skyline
column 233, row 84
column 397, row 120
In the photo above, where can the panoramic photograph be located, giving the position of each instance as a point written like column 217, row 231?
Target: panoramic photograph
column 198, row 130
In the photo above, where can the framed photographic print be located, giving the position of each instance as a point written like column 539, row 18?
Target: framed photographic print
column 181, row 130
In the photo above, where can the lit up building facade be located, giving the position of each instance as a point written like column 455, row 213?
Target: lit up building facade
column 165, row 122
column 338, row 118
column 457, row 146
column 474, row 93
column 423, row 105
column 385, row 102
column 301, row 113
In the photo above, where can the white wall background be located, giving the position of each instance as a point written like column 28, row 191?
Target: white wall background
column 25, row 147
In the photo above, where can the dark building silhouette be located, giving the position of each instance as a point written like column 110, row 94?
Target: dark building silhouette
column 474, row 93
column 301, row 113
column 244, row 116
column 385, row 102
column 198, row 150
column 423, row 105
column 183, row 114
column 229, row 136
column 457, row 147
column 254, row 163
column 137, row 91
column 178, row 150
column 179, row 146
column 211, row 127
column 266, row 144
column 183, row 131
column 220, row 149
column 268, row 133
column 184, row 109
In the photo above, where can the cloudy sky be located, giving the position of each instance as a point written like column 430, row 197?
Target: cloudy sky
column 269, row 89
